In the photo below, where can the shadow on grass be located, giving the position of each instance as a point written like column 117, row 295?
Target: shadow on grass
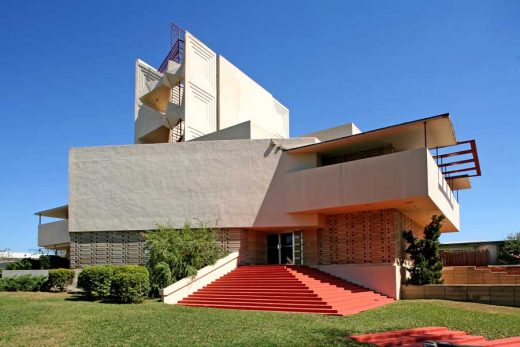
column 83, row 297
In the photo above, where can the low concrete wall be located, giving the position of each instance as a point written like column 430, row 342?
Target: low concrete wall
column 181, row 289
column 382, row 278
column 14, row 273
column 473, row 275
column 497, row 294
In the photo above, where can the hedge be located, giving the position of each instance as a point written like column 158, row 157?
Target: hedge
column 59, row 279
column 118, row 283
column 130, row 287
column 23, row 283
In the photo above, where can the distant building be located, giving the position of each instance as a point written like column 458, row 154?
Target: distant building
column 11, row 257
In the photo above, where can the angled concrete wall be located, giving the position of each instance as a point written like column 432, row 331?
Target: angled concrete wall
column 242, row 99
column 236, row 183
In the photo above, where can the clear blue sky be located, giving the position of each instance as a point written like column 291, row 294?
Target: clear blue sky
column 67, row 74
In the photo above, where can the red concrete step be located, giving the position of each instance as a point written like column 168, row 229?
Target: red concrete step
column 507, row 342
column 257, row 299
column 280, row 288
column 368, row 338
column 316, row 304
column 304, row 296
column 266, row 308
column 416, row 337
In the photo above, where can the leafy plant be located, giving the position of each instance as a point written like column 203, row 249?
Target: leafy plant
column 181, row 251
column 131, row 285
column 51, row 261
column 59, row 279
column 118, row 283
column 509, row 251
column 22, row 264
column 23, row 283
column 160, row 277
column 96, row 281
column 425, row 255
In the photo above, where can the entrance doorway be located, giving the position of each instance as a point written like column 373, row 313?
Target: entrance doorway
column 280, row 248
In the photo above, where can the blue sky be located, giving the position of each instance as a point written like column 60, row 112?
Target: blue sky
column 67, row 71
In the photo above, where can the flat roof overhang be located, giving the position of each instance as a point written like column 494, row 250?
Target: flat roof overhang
column 61, row 212
column 436, row 131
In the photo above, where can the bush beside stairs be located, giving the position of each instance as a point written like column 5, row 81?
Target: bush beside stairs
column 285, row 288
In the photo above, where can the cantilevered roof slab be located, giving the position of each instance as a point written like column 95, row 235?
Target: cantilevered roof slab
column 433, row 132
column 57, row 212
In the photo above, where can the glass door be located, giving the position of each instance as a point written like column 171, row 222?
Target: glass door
column 280, row 248
column 286, row 248
column 273, row 249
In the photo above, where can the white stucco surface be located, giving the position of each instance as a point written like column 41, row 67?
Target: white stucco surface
column 245, row 130
column 189, row 285
column 235, row 183
column 408, row 181
column 53, row 233
column 242, row 99
column 383, row 278
column 344, row 130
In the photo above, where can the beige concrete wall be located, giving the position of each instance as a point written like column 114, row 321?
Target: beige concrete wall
column 344, row 130
column 200, row 88
column 382, row 278
column 441, row 194
column 236, row 183
column 145, row 119
column 242, row 131
column 385, row 178
column 54, row 233
column 242, row 99
column 407, row 181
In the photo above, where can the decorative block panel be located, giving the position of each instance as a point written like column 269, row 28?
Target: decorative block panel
column 364, row 237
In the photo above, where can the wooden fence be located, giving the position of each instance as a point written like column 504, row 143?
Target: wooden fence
column 465, row 258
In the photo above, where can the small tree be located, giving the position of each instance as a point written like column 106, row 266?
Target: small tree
column 509, row 251
column 424, row 252
column 178, row 253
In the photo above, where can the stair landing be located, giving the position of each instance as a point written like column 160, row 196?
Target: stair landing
column 286, row 289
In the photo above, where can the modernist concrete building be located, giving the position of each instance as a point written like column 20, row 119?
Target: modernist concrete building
column 212, row 144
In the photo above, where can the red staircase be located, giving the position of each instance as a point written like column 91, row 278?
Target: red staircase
column 285, row 288
column 416, row 338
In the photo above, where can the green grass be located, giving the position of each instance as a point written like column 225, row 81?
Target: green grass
column 45, row 319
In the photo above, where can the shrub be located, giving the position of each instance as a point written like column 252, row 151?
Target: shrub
column 424, row 252
column 58, row 279
column 23, row 283
column 119, row 283
column 22, row 264
column 50, row 261
column 509, row 251
column 130, row 284
column 96, row 281
column 184, row 251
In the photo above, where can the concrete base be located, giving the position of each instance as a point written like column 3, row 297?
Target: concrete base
column 382, row 278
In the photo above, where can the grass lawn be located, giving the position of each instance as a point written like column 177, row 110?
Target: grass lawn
column 46, row 319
